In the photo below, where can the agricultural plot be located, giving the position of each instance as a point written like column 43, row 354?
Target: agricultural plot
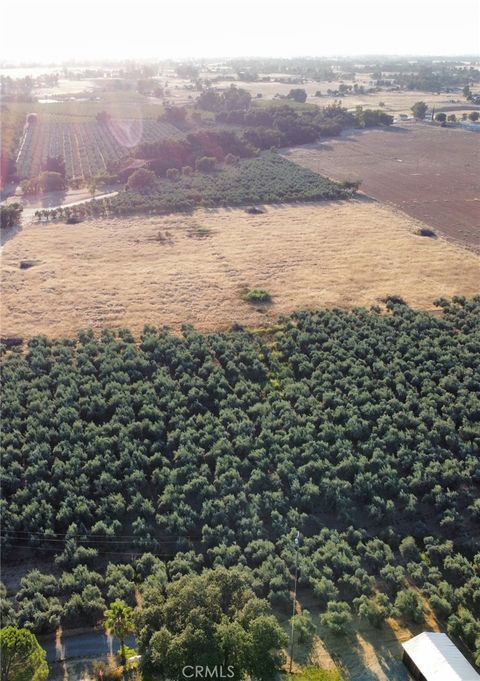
column 197, row 268
column 88, row 148
column 430, row 173
column 269, row 178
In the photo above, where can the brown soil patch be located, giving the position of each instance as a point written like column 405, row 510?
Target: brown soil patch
column 431, row 173
column 195, row 268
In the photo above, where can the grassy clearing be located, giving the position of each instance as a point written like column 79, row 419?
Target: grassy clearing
column 116, row 272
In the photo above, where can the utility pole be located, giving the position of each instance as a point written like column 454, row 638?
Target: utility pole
column 297, row 541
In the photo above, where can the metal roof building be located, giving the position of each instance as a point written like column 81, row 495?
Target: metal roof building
column 433, row 657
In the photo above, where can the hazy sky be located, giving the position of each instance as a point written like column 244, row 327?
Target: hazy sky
column 56, row 30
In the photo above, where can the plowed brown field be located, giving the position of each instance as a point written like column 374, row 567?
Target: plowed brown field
column 429, row 172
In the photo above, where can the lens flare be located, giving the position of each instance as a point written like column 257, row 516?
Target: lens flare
column 127, row 132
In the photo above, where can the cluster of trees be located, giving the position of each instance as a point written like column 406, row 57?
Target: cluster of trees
column 213, row 619
column 452, row 118
column 10, row 215
column 359, row 429
column 166, row 154
column 21, row 89
column 269, row 178
column 282, row 125
column 50, row 179
column 436, row 78
column 79, row 593
column 232, row 99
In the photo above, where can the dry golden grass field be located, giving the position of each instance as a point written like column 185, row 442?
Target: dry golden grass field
column 195, row 268
column 395, row 102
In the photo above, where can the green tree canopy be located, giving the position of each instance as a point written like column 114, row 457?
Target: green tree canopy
column 118, row 620
column 419, row 109
column 210, row 619
column 21, row 656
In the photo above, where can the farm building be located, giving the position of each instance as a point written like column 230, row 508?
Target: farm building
column 433, row 657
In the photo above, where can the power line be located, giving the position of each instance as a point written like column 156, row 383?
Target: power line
column 112, row 540
column 297, row 541
column 107, row 553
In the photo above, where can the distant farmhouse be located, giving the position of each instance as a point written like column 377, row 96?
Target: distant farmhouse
column 433, row 657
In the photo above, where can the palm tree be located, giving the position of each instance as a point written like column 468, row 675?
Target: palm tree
column 118, row 620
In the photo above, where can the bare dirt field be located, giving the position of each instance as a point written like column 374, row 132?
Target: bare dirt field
column 431, row 173
column 195, row 268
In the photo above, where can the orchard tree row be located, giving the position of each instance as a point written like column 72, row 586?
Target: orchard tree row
column 360, row 430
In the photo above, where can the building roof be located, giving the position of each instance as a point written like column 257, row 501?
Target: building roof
column 438, row 659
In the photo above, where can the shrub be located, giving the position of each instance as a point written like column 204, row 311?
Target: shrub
column 408, row 548
column 424, row 231
column 257, row 296
column 205, row 164
column 353, row 185
column 231, row 159
column 187, row 171
column 408, row 606
column 375, row 610
column 173, row 173
column 393, row 300
column 337, row 617
column 50, row 181
column 10, row 215
column 304, row 627
column 298, row 95
column 141, row 179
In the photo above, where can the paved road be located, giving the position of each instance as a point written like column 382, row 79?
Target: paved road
column 29, row 212
column 89, row 644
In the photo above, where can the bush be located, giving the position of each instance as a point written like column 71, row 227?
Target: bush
column 337, row 617
column 50, row 181
column 173, row 173
column 187, row 171
column 205, row 164
column 304, row 627
column 10, row 215
column 141, row 179
column 231, row 159
column 298, row 95
column 393, row 300
column 353, row 185
column 424, row 231
column 408, row 606
column 257, row 296
column 408, row 549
